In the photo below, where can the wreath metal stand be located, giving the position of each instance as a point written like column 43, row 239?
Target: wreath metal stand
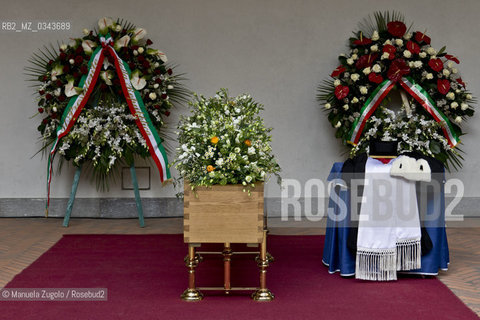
column 138, row 200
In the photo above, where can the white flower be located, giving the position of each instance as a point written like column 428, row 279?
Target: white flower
column 431, row 51
column 71, row 61
column 54, row 109
column 139, row 34
column 104, row 24
column 454, row 105
column 407, row 36
column 63, row 47
column 137, row 82
column 141, row 50
column 387, row 42
column 350, row 61
column 385, row 55
column 429, row 76
column 170, row 87
column 86, row 31
column 464, row 106
column 375, row 35
column 422, row 54
column 118, row 28
column 58, row 92
column 122, row 42
column 338, row 124
column 328, row 106
column 450, row 64
column 450, row 95
column 458, row 119
column 152, row 95
column 219, row 162
column 156, row 85
column 363, row 90
column 418, row 64
column 157, row 53
column 345, row 107
column 70, row 90
column 399, row 42
column 251, row 150
column 336, row 83
column 237, row 150
column 374, row 48
column 354, row 56
column 376, row 68
column 407, row 54
column 469, row 96
column 107, row 76
column 355, row 76
column 367, row 70
column 88, row 46
column 454, row 70
column 248, row 179
column 445, row 72
column 135, row 52
column 354, row 100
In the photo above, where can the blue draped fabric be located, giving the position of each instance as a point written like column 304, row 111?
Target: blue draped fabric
column 336, row 254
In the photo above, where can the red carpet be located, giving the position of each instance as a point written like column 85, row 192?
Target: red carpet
column 145, row 276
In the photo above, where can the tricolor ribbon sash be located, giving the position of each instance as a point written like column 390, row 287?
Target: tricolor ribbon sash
column 134, row 101
column 418, row 93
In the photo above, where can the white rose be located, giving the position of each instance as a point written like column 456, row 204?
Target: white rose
column 445, row 72
column 407, row 36
column 399, row 42
column 156, row 85
column 350, row 61
column 336, row 83
column 418, row 64
column 458, row 119
column 118, row 28
column 338, row 124
column 354, row 56
column 345, row 107
column 248, row 179
column 385, row 55
column 355, row 76
column 141, row 50
column 450, row 95
column 454, row 105
column 422, row 54
column 469, row 96
column 63, row 47
column 363, row 90
column 464, row 106
column 450, row 64
column 328, row 106
column 354, row 100
column 71, row 61
column 170, row 87
column 454, row 70
column 58, row 92
column 387, row 42
column 367, row 70
column 429, row 76
column 135, row 52
column 375, row 35
column 54, row 109
column 431, row 51
column 376, row 68
column 86, row 31
column 407, row 54
column 374, row 48
column 152, row 95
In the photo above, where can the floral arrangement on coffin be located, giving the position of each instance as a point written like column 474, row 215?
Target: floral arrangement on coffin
column 105, row 132
column 224, row 141
column 385, row 55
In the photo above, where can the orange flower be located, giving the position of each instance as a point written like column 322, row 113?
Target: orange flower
column 214, row 140
column 210, row 168
column 248, row 142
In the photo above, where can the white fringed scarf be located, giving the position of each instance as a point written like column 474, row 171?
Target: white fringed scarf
column 389, row 227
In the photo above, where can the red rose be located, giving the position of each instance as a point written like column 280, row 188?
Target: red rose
column 79, row 50
column 460, row 82
column 421, row 38
column 366, row 61
column 362, row 42
column 338, row 71
column 141, row 58
column 48, row 96
column 78, row 60
column 158, row 71
column 66, row 68
column 76, row 74
column 443, row 86
column 396, row 28
column 169, row 71
column 164, row 96
column 62, row 56
column 58, row 83
column 42, row 92
column 84, row 69
column 388, row 48
column 149, row 42
column 436, row 64
column 156, row 106
column 341, row 92
column 413, row 47
column 452, row 58
column 131, row 65
column 375, row 78
column 397, row 70
column 158, row 80
column 167, row 113
column 135, row 47
column 62, row 98
column 53, row 115
column 50, row 62
column 40, row 110
column 146, row 64
column 44, row 79
column 45, row 121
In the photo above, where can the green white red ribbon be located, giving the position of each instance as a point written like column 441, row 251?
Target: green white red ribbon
column 418, row 93
column 134, row 101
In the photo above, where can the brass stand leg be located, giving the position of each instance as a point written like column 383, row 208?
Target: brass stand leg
column 263, row 294
column 191, row 294
column 227, row 258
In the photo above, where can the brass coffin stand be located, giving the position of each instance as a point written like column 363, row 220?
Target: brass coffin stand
column 263, row 260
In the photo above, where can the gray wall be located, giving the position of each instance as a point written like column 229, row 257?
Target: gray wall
column 278, row 51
